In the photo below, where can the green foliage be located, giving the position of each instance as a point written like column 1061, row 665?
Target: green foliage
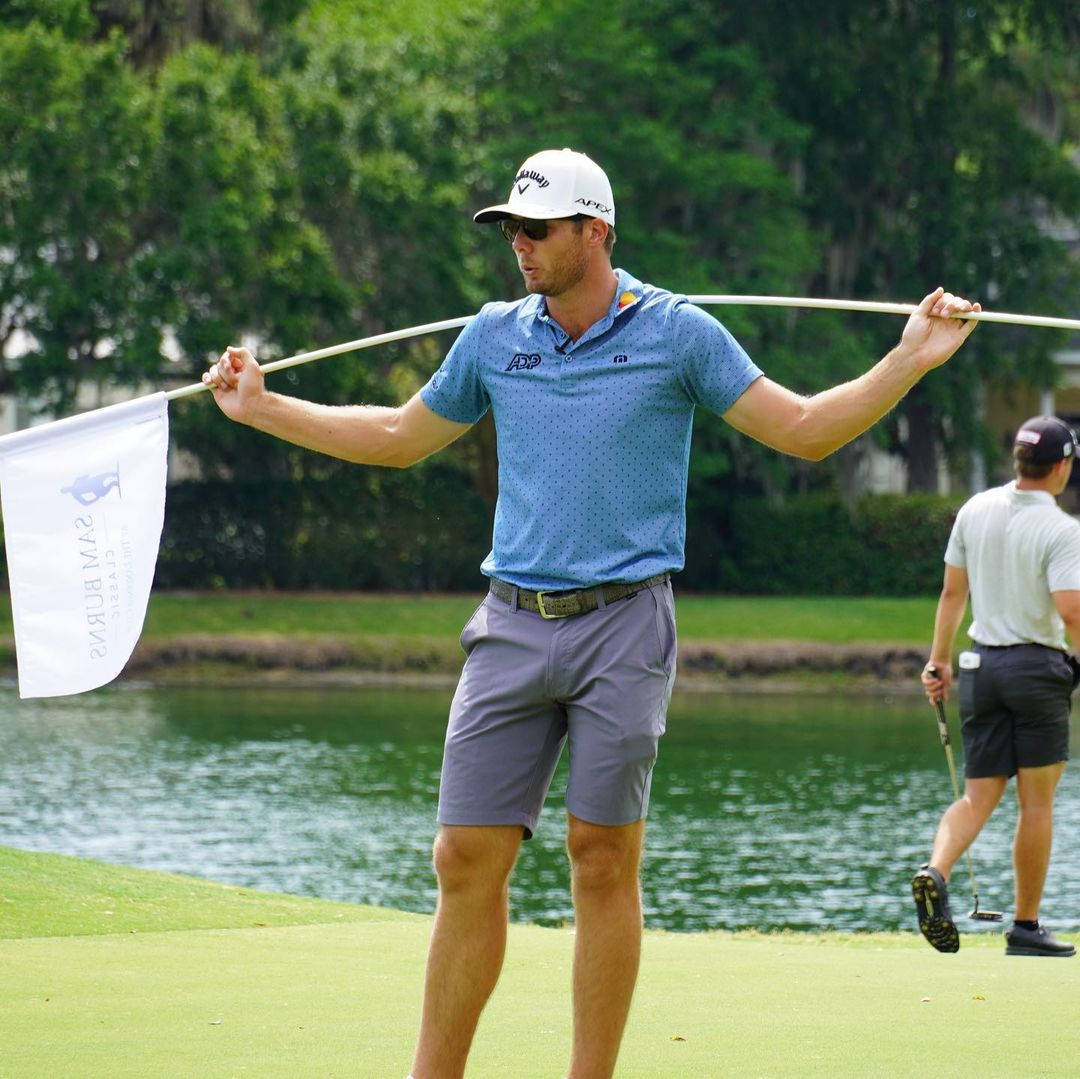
column 880, row 545
column 71, row 17
column 383, row 138
column 930, row 165
column 407, row 531
column 291, row 173
column 73, row 187
column 233, row 253
column 156, row 29
column 419, row 530
column 684, row 121
column 233, row 257
column 319, row 202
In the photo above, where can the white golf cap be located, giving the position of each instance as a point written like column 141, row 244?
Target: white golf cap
column 556, row 183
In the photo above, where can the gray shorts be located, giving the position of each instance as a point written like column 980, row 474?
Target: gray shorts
column 1014, row 709
column 600, row 681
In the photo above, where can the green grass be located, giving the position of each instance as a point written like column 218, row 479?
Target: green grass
column 341, row 997
column 833, row 619
column 49, row 895
column 306, row 614
column 217, row 635
column 830, row 619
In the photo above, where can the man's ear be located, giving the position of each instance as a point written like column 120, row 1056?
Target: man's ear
column 597, row 231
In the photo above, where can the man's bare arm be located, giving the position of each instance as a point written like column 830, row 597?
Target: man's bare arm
column 1067, row 603
column 364, row 434
column 813, row 427
column 952, row 603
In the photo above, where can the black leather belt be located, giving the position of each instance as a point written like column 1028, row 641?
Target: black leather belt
column 1023, row 644
column 568, row 604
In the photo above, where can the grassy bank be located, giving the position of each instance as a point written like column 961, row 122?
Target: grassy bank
column 828, row 619
column 834, row 620
column 223, row 633
column 333, row 990
column 49, row 895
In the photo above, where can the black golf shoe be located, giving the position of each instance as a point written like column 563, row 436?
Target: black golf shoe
column 931, row 895
column 1022, row 941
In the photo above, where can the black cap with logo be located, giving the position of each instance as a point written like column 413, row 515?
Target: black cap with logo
column 1044, row 440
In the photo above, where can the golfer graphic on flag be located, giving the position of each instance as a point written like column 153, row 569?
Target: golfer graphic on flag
column 90, row 489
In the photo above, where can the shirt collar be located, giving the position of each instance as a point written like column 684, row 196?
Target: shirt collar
column 1030, row 495
column 628, row 292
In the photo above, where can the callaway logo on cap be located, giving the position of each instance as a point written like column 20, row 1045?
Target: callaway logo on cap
column 553, row 184
column 1045, row 440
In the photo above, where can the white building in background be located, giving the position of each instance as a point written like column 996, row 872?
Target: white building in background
column 9, row 416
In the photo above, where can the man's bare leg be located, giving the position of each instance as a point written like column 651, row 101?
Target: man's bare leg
column 1034, row 835
column 605, row 865
column 964, row 819
column 468, row 942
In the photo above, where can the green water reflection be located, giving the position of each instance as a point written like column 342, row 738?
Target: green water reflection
column 768, row 812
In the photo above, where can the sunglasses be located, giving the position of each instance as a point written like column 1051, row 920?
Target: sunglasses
column 535, row 230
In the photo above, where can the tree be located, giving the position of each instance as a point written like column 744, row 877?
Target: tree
column 156, row 29
column 73, row 120
column 349, row 144
column 384, row 128
column 72, row 18
column 230, row 252
column 924, row 168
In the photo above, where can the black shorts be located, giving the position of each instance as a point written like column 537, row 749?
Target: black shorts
column 1014, row 709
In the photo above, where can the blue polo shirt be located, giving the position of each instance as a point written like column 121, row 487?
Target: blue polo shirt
column 593, row 434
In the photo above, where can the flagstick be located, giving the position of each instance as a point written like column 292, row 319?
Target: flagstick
column 886, row 309
column 741, row 301
column 336, row 350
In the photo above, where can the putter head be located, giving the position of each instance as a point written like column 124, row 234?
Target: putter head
column 986, row 915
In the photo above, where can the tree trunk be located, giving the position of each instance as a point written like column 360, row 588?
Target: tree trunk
column 940, row 156
column 922, row 445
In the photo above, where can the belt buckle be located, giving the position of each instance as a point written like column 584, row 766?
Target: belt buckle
column 540, row 607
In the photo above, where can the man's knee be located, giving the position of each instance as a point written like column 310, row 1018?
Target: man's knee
column 982, row 796
column 479, row 858
column 604, row 858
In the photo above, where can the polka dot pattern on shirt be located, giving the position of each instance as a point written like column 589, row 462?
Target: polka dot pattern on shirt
column 593, row 434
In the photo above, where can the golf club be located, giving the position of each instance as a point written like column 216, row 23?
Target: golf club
column 946, row 741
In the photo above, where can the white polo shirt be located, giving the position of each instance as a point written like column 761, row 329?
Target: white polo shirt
column 1017, row 547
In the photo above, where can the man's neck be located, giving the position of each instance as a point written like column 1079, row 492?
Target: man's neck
column 1026, row 483
column 587, row 302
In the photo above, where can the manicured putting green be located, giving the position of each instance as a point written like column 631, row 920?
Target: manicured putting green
column 342, row 998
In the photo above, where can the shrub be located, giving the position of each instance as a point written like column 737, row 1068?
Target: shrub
column 819, row 545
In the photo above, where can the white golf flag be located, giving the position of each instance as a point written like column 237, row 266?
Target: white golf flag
column 83, row 502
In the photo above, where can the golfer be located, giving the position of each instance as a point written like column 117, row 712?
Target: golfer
column 1019, row 556
column 593, row 379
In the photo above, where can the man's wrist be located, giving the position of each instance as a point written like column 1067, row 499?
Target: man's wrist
column 909, row 359
column 258, row 411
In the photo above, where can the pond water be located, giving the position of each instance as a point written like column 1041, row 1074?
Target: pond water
column 802, row 813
